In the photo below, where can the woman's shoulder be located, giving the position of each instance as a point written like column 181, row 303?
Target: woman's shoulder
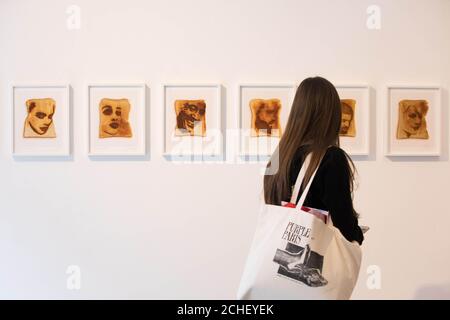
column 335, row 151
column 335, row 156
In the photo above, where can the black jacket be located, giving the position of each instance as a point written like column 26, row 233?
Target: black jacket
column 330, row 191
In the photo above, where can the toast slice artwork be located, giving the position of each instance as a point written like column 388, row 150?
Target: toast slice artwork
column 265, row 119
column 39, row 120
column 190, row 115
column 114, row 115
column 412, row 122
column 348, row 126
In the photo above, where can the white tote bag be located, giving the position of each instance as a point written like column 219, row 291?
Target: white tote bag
column 295, row 255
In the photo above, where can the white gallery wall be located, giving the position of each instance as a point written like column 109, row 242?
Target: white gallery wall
column 151, row 228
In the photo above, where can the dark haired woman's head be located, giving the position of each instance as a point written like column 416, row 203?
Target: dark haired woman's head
column 315, row 116
column 314, row 123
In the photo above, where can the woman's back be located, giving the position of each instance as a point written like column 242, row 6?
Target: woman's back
column 330, row 190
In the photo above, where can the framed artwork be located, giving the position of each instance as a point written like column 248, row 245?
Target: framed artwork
column 414, row 116
column 354, row 136
column 41, row 121
column 117, row 120
column 192, row 120
column 264, row 111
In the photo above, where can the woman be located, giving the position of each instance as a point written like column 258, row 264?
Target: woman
column 313, row 126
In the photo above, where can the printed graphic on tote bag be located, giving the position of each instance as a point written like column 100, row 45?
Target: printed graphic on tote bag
column 297, row 262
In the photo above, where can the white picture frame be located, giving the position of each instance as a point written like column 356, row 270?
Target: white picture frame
column 359, row 145
column 430, row 147
column 134, row 146
column 261, row 147
column 58, row 146
column 208, row 146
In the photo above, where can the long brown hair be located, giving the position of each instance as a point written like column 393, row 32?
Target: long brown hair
column 314, row 123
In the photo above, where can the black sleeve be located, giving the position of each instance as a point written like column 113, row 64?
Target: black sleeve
column 337, row 195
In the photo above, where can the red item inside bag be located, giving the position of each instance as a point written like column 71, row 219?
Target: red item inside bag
column 321, row 214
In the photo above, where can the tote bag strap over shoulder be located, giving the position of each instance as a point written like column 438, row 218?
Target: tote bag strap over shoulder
column 298, row 182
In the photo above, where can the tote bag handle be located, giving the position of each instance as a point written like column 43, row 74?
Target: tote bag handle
column 298, row 182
